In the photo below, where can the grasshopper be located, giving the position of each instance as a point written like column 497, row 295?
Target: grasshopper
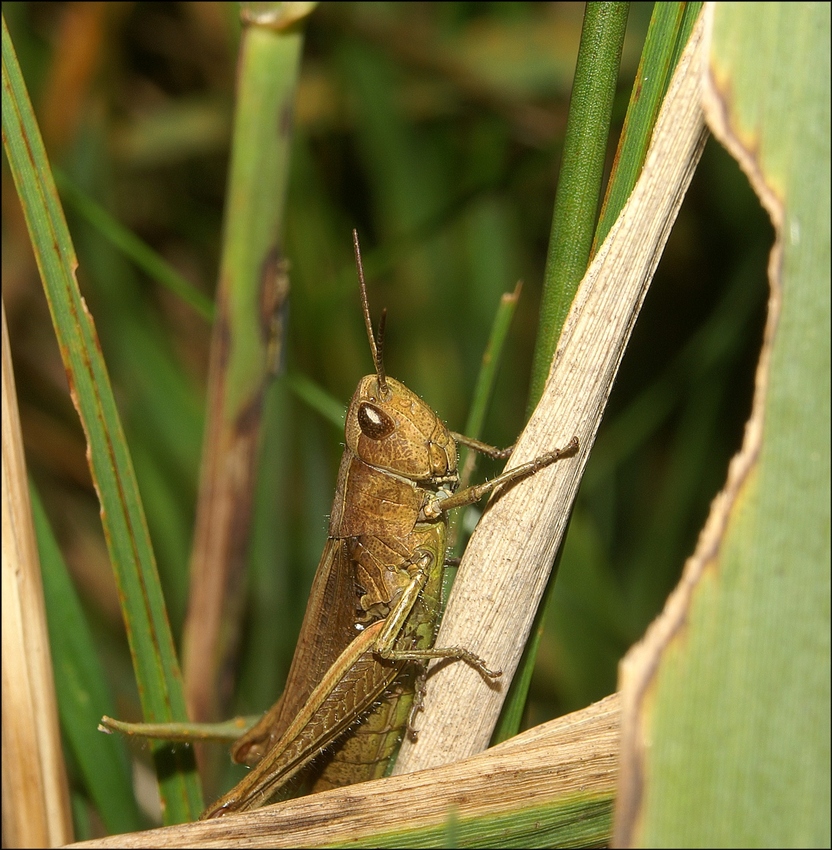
column 368, row 633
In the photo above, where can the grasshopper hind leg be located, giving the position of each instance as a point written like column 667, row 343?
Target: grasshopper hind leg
column 398, row 616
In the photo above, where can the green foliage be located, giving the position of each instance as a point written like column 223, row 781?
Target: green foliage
column 738, row 712
column 436, row 130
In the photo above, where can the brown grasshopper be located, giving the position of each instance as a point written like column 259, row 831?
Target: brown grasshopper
column 374, row 608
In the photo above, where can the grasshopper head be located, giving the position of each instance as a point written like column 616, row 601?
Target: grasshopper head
column 390, row 427
column 396, row 431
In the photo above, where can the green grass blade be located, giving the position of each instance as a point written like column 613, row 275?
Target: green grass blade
column 133, row 247
column 125, row 529
column 491, row 359
column 581, row 173
column 80, row 682
column 483, row 390
column 573, row 223
column 247, row 342
column 667, row 35
column 317, row 398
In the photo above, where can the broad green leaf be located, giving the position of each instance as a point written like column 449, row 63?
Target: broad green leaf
column 727, row 702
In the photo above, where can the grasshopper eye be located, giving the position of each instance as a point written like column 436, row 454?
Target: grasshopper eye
column 374, row 423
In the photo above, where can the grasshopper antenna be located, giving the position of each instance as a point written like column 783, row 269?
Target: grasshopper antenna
column 375, row 347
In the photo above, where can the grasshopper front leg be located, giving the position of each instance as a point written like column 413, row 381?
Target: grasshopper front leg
column 437, row 506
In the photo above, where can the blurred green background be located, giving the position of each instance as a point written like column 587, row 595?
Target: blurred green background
column 436, row 130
